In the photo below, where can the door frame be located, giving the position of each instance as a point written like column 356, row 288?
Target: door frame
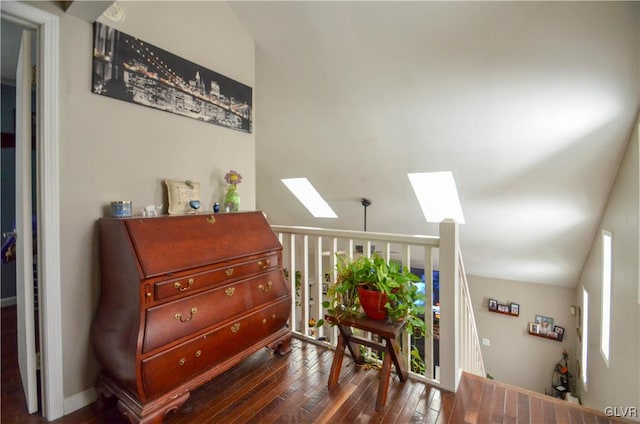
column 48, row 207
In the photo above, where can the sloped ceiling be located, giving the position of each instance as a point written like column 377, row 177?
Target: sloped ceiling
column 529, row 104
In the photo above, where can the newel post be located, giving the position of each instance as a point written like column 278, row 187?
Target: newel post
column 449, row 305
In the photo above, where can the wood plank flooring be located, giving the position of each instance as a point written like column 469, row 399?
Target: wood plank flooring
column 293, row 389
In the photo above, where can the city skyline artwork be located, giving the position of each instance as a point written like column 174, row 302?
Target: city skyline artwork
column 129, row 69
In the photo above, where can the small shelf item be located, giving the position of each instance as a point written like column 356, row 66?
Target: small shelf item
column 536, row 329
column 512, row 309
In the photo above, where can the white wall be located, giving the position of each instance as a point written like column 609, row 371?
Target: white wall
column 114, row 150
column 515, row 357
column 619, row 383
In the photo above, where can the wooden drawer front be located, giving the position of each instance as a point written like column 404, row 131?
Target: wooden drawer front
column 177, row 319
column 179, row 243
column 169, row 369
column 185, row 285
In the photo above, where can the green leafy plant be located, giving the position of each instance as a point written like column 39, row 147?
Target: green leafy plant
column 404, row 301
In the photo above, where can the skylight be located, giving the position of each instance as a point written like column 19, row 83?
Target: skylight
column 437, row 195
column 309, row 197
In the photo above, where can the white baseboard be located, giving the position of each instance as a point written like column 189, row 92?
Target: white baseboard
column 8, row 301
column 79, row 400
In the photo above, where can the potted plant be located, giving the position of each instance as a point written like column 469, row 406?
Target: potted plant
column 395, row 296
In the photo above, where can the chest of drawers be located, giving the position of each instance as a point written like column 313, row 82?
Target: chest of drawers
column 182, row 300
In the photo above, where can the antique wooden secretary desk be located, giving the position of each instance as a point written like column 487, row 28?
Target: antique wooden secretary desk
column 184, row 298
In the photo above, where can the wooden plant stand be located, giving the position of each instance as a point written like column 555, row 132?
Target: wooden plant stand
column 387, row 332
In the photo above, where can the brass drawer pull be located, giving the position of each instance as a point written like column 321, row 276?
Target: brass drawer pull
column 235, row 327
column 211, row 220
column 229, row 292
column 229, row 272
column 178, row 285
column 178, row 316
column 273, row 316
column 264, row 264
column 267, row 288
column 182, row 361
column 264, row 320
column 198, row 353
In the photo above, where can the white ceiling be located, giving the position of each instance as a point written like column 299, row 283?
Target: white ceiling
column 530, row 105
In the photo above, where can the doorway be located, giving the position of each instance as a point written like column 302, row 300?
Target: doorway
column 47, row 184
column 19, row 105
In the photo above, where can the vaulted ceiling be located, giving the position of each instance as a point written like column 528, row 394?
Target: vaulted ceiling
column 529, row 104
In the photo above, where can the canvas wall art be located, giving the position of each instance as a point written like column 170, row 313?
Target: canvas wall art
column 130, row 69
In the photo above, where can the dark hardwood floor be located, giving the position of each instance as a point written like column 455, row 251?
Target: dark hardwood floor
column 293, row 389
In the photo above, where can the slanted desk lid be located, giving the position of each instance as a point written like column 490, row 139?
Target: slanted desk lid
column 170, row 244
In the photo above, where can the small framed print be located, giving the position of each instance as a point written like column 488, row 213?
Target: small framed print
column 559, row 331
column 546, row 324
column 514, row 309
column 534, row 328
column 493, row 305
column 503, row 308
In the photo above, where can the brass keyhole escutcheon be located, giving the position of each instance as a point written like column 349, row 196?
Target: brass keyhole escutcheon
column 235, row 327
column 229, row 292
column 266, row 288
column 264, row 264
column 179, row 287
column 178, row 316
column 229, row 272
column 182, row 361
column 211, row 220
column 198, row 353
column 264, row 320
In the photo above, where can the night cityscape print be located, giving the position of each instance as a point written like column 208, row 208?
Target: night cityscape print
column 132, row 70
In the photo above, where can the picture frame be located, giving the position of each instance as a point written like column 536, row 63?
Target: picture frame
column 503, row 308
column 135, row 71
column 493, row 305
column 514, row 309
column 559, row 331
column 534, row 328
column 545, row 324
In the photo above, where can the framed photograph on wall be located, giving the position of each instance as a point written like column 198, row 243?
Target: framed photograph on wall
column 545, row 323
column 534, row 328
column 493, row 305
column 514, row 309
column 559, row 331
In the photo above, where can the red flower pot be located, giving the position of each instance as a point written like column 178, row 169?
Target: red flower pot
column 373, row 303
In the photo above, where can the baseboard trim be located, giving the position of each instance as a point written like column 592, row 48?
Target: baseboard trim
column 79, row 400
column 8, row 301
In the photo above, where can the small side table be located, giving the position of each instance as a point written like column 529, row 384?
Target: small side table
column 389, row 333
